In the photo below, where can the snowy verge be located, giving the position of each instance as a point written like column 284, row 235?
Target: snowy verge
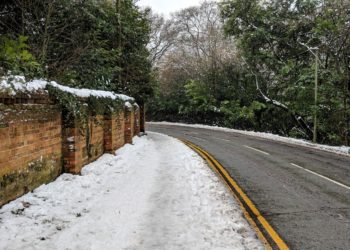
column 14, row 84
column 155, row 194
column 343, row 150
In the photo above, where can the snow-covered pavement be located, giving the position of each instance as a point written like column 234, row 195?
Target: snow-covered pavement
column 155, row 194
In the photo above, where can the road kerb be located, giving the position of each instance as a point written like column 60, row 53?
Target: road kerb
column 265, row 232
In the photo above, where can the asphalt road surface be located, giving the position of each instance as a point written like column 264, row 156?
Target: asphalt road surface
column 303, row 193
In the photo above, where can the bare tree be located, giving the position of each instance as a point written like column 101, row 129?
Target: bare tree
column 163, row 37
column 197, row 44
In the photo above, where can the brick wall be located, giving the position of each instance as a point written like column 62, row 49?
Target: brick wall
column 30, row 148
column 37, row 145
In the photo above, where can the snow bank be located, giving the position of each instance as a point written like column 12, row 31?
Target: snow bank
column 18, row 84
column 155, row 194
column 344, row 150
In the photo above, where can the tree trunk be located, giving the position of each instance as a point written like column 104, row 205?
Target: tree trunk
column 142, row 118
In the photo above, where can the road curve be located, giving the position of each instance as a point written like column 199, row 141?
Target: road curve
column 303, row 193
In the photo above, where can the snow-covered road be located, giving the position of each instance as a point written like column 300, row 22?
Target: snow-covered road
column 155, row 194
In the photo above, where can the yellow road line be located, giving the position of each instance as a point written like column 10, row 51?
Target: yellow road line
column 246, row 214
column 243, row 200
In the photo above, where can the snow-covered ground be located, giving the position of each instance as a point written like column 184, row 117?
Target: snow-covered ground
column 155, row 194
column 343, row 150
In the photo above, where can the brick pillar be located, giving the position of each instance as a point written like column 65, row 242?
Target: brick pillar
column 142, row 118
column 109, row 125
column 129, row 124
column 120, row 130
column 74, row 150
column 114, row 131
column 137, row 120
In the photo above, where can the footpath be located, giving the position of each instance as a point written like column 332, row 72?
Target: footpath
column 154, row 194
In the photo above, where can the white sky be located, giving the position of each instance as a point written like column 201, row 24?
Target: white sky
column 167, row 6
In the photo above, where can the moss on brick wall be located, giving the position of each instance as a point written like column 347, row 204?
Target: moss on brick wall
column 30, row 148
column 18, row 182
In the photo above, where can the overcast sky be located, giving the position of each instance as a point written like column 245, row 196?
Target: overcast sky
column 167, row 6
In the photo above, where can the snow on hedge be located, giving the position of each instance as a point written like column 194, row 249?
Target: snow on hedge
column 13, row 85
column 18, row 84
column 128, row 105
column 344, row 150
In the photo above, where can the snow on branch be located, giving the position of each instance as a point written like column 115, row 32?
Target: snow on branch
column 298, row 118
column 267, row 99
column 310, row 49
